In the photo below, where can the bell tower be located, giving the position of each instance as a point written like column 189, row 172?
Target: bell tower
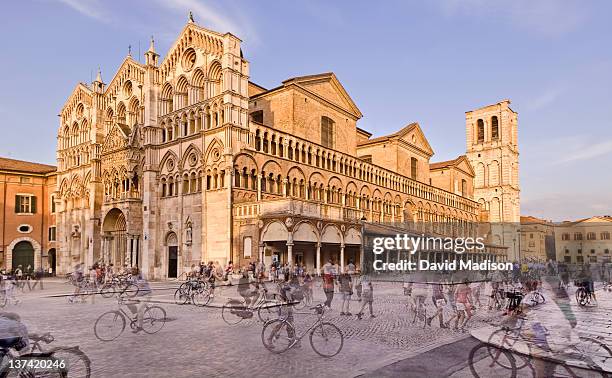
column 492, row 149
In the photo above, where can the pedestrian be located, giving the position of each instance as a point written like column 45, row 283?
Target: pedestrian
column 439, row 302
column 368, row 297
column 346, row 290
column 351, row 269
column 328, row 283
column 38, row 275
column 358, row 287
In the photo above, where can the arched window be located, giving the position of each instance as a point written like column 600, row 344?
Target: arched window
column 494, row 128
column 327, row 132
column 480, row 130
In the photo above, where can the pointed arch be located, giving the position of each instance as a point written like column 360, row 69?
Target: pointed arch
column 191, row 148
column 169, row 154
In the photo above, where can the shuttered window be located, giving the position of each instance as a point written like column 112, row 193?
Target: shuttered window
column 25, row 204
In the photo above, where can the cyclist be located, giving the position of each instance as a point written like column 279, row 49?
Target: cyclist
column 13, row 333
column 586, row 279
column 143, row 296
column 78, row 281
column 248, row 290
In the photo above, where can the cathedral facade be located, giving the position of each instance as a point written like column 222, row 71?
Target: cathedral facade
column 183, row 160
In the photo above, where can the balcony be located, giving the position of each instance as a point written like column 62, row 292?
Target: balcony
column 123, row 197
column 295, row 206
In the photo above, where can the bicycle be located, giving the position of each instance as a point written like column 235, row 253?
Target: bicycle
column 504, row 344
column 77, row 362
column 326, row 339
column 195, row 291
column 534, row 297
column 121, row 285
column 111, row 324
column 236, row 310
column 583, row 296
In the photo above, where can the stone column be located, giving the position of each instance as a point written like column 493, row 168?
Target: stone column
column 261, row 252
column 289, row 253
column 259, row 176
column 318, row 259
column 342, row 257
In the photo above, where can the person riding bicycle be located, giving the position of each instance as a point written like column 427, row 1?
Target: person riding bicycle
column 247, row 289
column 142, row 297
column 585, row 279
column 13, row 333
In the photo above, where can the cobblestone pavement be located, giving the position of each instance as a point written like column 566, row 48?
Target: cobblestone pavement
column 196, row 341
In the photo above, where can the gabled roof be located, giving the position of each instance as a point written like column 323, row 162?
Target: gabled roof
column 74, row 98
column 128, row 61
column 452, row 163
column 414, row 126
column 593, row 219
column 303, row 82
column 13, row 165
column 531, row 219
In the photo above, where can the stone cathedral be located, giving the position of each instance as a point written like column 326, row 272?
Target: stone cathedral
column 183, row 159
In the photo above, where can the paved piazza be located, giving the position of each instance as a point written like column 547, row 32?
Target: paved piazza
column 198, row 341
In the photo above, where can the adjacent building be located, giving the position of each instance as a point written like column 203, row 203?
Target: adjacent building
column 584, row 241
column 537, row 240
column 28, row 234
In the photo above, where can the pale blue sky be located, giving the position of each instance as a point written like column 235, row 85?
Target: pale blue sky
column 425, row 61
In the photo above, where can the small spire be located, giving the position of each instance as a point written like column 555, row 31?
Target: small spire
column 129, row 50
column 191, row 21
column 99, row 76
column 152, row 46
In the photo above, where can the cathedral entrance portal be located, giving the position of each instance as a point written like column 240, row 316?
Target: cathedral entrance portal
column 114, row 240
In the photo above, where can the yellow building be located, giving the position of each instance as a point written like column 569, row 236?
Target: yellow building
column 537, row 239
column 585, row 240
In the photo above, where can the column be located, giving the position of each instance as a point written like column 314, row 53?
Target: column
column 318, row 259
column 285, row 187
column 259, row 176
column 290, row 253
column 130, row 257
column 261, row 252
column 342, row 257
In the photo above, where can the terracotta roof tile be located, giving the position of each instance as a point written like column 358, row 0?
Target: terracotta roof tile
column 7, row 164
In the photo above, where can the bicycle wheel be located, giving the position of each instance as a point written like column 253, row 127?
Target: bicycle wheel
column 77, row 363
column 278, row 336
column 486, row 361
column 506, row 339
column 153, row 319
column 180, row 297
column 599, row 352
column 326, row 339
column 232, row 311
column 130, row 290
column 109, row 326
column 269, row 310
column 107, row 291
column 201, row 297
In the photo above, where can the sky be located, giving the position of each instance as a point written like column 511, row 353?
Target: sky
column 400, row 61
